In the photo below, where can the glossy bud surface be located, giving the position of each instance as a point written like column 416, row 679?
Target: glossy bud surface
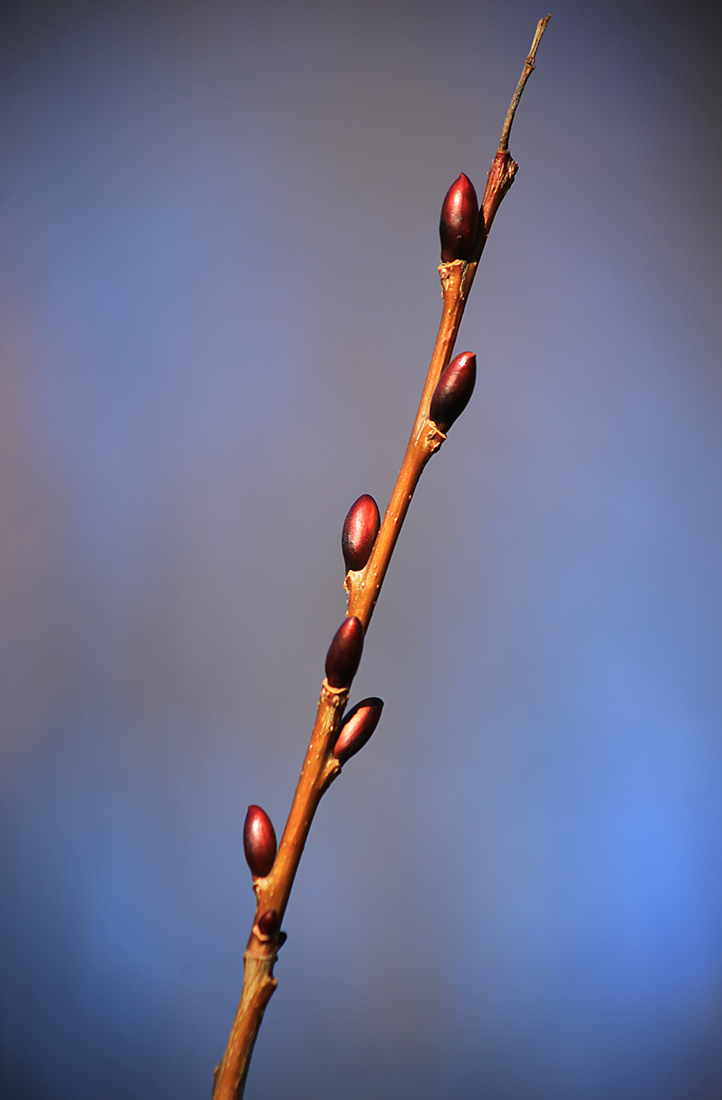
column 453, row 390
column 459, row 219
column 360, row 529
column 259, row 841
column 344, row 653
column 357, row 727
column 269, row 923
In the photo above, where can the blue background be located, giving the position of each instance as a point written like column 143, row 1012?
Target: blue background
column 218, row 298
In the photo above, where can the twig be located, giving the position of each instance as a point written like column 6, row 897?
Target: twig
column 503, row 168
column 320, row 766
column 526, row 73
column 456, row 280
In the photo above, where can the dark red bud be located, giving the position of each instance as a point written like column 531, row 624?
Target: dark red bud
column 459, row 219
column 259, row 841
column 357, row 727
column 360, row 529
column 344, row 653
column 453, row 390
column 269, row 923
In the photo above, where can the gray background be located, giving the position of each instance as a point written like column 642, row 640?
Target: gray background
column 218, row 300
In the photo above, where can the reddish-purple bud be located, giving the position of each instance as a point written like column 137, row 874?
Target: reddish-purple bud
column 453, row 390
column 344, row 653
column 357, row 727
column 259, row 841
column 269, row 923
column 360, row 529
column 459, row 220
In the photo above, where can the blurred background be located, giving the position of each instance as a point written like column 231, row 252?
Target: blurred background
column 218, row 301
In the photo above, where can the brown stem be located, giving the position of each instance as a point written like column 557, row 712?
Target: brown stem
column 319, row 770
column 503, row 169
column 364, row 586
column 525, row 74
column 456, row 280
column 229, row 1079
column 320, row 767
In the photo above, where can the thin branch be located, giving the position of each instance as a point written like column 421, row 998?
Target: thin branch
column 503, row 168
column 320, row 767
column 528, row 69
column 456, row 280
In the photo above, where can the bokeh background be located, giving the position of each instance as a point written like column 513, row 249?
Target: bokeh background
column 218, row 300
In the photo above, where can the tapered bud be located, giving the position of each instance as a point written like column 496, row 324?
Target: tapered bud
column 360, row 529
column 459, row 220
column 453, row 390
column 259, row 841
column 357, row 727
column 269, row 923
column 344, row 653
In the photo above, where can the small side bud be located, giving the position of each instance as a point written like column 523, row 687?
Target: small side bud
column 453, row 391
column 344, row 653
column 259, row 841
column 269, row 923
column 357, row 727
column 459, row 220
column 360, row 529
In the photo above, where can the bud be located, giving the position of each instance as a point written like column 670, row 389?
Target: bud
column 360, row 529
column 344, row 653
column 357, row 727
column 269, row 923
column 453, row 390
column 459, row 219
column 259, row 841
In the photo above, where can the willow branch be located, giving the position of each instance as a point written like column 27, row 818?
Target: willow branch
column 526, row 72
column 456, row 280
column 320, row 767
column 503, row 168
